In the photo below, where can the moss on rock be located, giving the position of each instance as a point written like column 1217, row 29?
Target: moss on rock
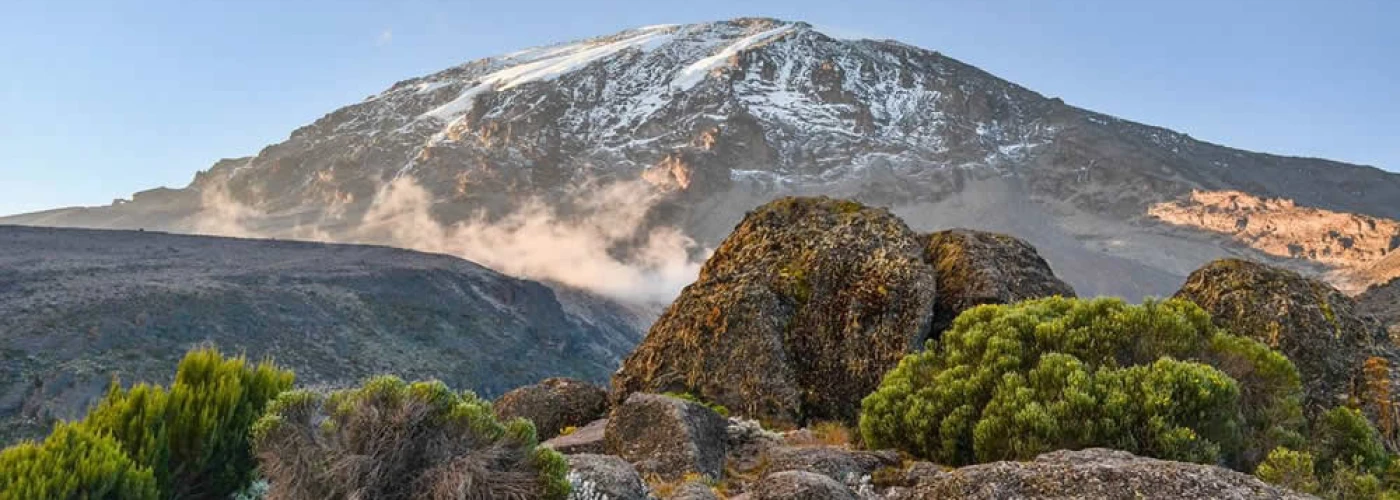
column 795, row 317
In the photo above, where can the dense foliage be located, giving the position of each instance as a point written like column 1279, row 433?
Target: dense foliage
column 393, row 440
column 193, row 435
column 186, row 441
column 73, row 462
column 1345, row 459
column 1014, row 381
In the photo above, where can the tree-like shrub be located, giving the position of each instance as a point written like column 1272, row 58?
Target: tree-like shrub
column 1013, row 381
column 392, row 440
column 194, row 436
column 73, row 462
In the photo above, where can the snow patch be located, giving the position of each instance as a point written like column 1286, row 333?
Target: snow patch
column 690, row 76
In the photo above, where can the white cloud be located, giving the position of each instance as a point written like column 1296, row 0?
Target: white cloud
column 385, row 37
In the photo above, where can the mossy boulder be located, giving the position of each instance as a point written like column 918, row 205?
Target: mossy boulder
column 795, row 317
column 554, row 404
column 978, row 267
column 666, row 436
column 1316, row 326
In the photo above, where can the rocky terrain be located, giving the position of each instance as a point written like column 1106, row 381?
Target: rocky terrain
column 1362, row 249
column 77, row 306
column 713, row 119
column 1383, row 303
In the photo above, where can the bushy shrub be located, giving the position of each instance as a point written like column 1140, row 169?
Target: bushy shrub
column 1344, row 436
column 1012, row 381
column 392, row 440
column 194, row 436
column 1290, row 469
column 73, row 462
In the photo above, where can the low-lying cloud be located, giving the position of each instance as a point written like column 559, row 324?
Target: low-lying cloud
column 602, row 244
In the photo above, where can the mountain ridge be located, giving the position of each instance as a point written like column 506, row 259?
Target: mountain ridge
column 711, row 119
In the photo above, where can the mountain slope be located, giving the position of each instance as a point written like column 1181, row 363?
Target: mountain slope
column 719, row 117
column 79, row 305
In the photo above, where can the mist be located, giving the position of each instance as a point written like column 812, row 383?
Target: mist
column 534, row 241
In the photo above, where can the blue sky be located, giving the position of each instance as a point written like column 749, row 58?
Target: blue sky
column 99, row 99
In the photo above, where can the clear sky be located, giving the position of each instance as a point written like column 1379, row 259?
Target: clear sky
column 99, row 99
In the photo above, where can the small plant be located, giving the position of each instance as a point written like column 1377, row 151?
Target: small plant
column 393, row 440
column 567, row 430
column 73, row 462
column 717, row 408
column 1290, row 469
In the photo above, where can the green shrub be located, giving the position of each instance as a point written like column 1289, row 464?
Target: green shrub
column 73, row 462
column 194, row 435
column 1012, row 381
column 1290, row 469
column 391, row 440
column 1344, row 435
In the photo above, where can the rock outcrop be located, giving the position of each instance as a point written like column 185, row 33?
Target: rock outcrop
column 667, row 436
column 1352, row 242
column 977, row 267
column 795, row 317
column 1382, row 302
column 1315, row 325
column 1092, row 473
column 554, row 404
column 604, row 476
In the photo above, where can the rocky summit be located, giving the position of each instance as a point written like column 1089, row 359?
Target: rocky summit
column 716, row 118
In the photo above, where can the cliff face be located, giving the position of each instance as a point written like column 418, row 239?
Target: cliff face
column 1362, row 248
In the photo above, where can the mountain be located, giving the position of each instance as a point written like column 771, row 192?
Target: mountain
column 683, row 128
column 77, row 306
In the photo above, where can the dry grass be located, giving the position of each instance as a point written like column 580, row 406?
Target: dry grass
column 829, row 433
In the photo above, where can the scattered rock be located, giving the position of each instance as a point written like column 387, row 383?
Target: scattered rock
column 976, row 267
column 693, row 490
column 605, row 476
column 838, row 463
column 1312, row 323
column 554, row 404
column 1092, row 473
column 795, row 317
column 587, row 439
column 667, row 436
column 800, row 485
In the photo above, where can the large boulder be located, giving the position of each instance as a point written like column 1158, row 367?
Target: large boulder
column 604, row 476
column 796, row 316
column 1307, row 320
column 1092, row 473
column 843, row 465
column 554, row 404
column 800, row 485
column 667, row 436
column 976, row 267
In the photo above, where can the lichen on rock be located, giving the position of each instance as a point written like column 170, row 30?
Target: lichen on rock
column 795, row 317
